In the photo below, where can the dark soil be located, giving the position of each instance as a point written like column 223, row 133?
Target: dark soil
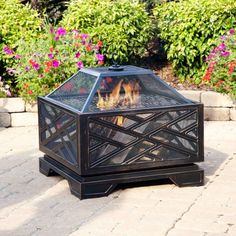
column 164, row 69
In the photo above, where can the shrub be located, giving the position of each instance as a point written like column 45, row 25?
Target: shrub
column 17, row 21
column 122, row 25
column 47, row 61
column 221, row 71
column 190, row 29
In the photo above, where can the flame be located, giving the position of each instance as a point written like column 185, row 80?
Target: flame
column 115, row 99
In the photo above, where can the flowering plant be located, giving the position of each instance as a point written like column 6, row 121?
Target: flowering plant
column 4, row 89
column 45, row 62
column 221, row 71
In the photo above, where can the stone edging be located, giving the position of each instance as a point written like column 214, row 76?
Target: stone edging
column 14, row 111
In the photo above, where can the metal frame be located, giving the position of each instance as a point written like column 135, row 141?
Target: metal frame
column 82, row 120
column 91, row 180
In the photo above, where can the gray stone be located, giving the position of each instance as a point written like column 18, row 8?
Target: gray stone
column 12, row 105
column 233, row 114
column 213, row 99
column 192, row 95
column 5, row 119
column 24, row 119
column 31, row 107
column 216, row 114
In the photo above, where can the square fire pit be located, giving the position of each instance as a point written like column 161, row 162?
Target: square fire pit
column 108, row 126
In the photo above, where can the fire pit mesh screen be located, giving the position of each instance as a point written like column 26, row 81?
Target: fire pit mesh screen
column 146, row 137
column 58, row 132
column 87, row 93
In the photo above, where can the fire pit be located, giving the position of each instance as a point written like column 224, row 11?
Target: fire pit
column 107, row 126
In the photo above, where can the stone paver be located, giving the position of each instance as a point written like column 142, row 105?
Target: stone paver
column 32, row 204
column 21, row 119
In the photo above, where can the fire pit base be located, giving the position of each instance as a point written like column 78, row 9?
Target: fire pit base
column 102, row 185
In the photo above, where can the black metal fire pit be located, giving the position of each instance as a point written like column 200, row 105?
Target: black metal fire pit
column 107, row 126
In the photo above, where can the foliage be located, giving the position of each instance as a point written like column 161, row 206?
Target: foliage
column 47, row 61
column 17, row 21
column 122, row 25
column 190, row 29
column 221, row 71
column 52, row 8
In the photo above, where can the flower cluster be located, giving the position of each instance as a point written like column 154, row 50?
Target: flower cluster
column 221, row 71
column 4, row 89
column 46, row 62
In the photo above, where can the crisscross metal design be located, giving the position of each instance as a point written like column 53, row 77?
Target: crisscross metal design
column 58, row 132
column 143, row 138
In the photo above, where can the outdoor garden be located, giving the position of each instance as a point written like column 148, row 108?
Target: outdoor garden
column 191, row 44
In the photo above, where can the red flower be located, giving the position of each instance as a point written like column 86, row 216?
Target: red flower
column 99, row 43
column 51, row 49
column 30, row 92
column 31, row 62
column 48, row 64
column 232, row 65
column 88, row 48
column 100, row 62
column 207, row 76
column 218, row 84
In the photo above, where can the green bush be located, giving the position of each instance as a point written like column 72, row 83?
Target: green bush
column 45, row 62
column 122, row 25
column 190, row 29
column 17, row 21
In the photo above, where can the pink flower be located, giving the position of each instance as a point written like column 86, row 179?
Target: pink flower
column 8, row 51
column 51, row 30
column 61, row 31
column 231, row 31
column 17, row 56
column 55, row 63
column 80, row 64
column 50, row 55
column 221, row 46
column 100, row 57
column 36, row 66
column 77, row 55
column 225, row 54
column 84, row 36
column 8, row 93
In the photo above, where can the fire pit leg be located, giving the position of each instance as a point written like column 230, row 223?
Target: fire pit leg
column 45, row 169
column 188, row 179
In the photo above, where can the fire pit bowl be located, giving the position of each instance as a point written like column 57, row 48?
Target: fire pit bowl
column 108, row 126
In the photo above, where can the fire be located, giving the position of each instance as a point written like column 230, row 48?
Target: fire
column 115, row 99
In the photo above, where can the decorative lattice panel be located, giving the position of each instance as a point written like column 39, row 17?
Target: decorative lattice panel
column 58, row 132
column 143, row 138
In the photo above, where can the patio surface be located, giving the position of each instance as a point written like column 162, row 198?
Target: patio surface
column 32, row 204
